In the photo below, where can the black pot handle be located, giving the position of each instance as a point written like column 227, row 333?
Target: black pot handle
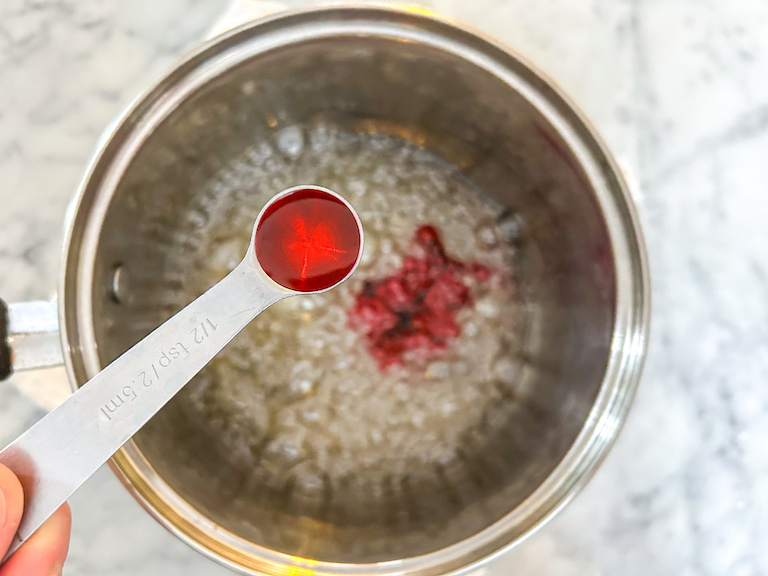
column 5, row 349
column 29, row 336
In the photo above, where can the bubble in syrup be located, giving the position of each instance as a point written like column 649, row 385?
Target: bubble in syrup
column 505, row 369
column 487, row 307
column 485, row 234
column 357, row 187
column 302, row 387
column 290, row 141
column 370, row 249
column 438, row 371
column 511, row 227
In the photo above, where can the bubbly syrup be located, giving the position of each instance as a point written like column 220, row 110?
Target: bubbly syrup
column 297, row 396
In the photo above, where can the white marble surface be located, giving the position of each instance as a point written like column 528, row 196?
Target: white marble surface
column 680, row 91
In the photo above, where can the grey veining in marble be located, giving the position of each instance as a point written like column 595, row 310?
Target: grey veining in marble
column 679, row 90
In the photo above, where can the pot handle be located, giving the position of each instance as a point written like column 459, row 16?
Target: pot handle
column 29, row 336
column 242, row 11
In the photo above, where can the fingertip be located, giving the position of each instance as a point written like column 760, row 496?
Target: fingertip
column 45, row 551
column 66, row 514
column 54, row 534
column 11, row 506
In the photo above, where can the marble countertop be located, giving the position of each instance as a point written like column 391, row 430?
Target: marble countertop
column 679, row 90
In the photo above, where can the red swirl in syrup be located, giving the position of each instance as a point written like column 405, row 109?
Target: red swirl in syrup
column 415, row 308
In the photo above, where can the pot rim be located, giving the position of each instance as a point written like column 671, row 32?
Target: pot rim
column 629, row 338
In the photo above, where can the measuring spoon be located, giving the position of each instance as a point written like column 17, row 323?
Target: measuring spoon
column 306, row 240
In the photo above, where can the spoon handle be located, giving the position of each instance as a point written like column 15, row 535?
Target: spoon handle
column 54, row 457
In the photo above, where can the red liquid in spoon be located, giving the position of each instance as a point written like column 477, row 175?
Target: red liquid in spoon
column 307, row 240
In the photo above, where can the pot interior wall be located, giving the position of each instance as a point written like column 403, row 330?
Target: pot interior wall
column 497, row 141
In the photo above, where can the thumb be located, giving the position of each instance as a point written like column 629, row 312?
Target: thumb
column 11, row 507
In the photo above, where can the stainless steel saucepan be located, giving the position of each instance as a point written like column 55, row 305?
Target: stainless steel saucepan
column 583, row 280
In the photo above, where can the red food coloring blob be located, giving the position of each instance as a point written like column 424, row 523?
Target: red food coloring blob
column 415, row 308
column 307, row 240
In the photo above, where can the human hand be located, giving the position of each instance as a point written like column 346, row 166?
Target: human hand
column 44, row 552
